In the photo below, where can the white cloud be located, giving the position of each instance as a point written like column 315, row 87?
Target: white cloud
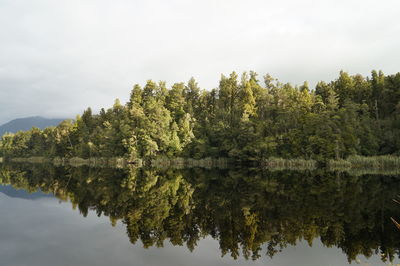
column 58, row 57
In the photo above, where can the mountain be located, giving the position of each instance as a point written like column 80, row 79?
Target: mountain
column 27, row 123
column 20, row 193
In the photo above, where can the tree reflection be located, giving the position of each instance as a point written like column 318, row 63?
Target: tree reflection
column 249, row 212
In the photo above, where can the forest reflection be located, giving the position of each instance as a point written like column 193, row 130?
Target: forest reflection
column 248, row 211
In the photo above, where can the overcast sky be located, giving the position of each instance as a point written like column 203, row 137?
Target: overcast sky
column 59, row 57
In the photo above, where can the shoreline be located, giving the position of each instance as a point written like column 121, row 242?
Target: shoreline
column 387, row 164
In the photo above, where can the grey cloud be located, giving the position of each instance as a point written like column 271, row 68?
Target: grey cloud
column 57, row 58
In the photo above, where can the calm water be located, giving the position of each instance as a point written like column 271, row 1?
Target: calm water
column 81, row 216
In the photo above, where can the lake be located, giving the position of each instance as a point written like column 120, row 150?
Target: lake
column 137, row 216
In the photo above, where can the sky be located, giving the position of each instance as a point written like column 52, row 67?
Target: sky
column 59, row 57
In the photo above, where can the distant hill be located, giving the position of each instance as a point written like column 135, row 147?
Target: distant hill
column 14, row 193
column 27, row 123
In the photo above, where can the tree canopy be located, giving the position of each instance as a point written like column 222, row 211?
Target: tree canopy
column 242, row 118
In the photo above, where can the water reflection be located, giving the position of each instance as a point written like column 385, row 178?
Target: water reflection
column 250, row 213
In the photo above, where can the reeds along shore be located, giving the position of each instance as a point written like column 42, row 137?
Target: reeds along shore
column 119, row 162
column 361, row 162
column 114, row 162
column 386, row 164
column 289, row 164
column 357, row 165
column 179, row 162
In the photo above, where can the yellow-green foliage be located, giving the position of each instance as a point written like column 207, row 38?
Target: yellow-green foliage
column 243, row 119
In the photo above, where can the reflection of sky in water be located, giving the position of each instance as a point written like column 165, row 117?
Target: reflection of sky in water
column 45, row 232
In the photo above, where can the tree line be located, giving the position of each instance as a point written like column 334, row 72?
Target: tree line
column 243, row 118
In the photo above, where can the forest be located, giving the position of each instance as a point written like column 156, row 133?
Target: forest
column 245, row 119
